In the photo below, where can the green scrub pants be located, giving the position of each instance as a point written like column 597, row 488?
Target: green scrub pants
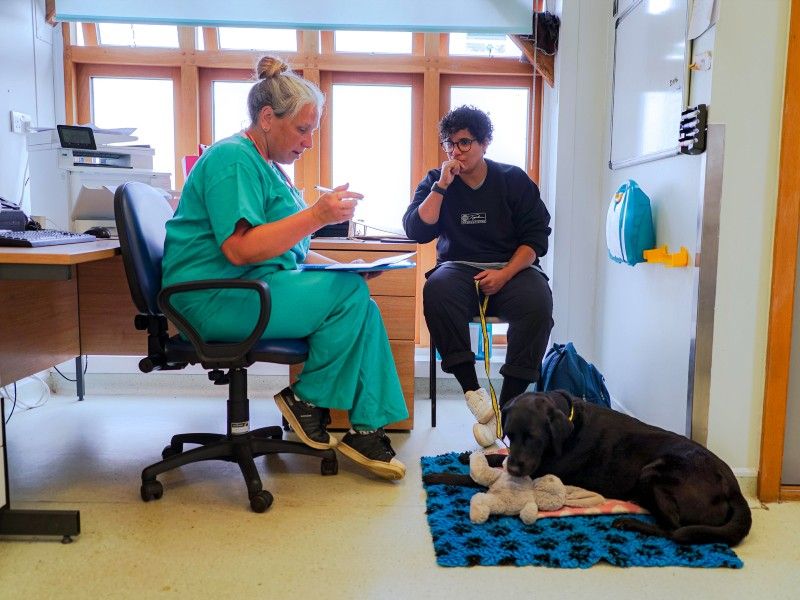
column 350, row 364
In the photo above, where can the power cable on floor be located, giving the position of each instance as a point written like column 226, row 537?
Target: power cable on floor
column 14, row 405
column 85, row 366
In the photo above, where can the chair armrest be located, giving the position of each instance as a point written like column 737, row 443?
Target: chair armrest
column 218, row 352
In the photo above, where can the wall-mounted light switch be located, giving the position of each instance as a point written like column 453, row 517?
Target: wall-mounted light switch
column 20, row 122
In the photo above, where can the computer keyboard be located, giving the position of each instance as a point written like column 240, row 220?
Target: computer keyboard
column 42, row 237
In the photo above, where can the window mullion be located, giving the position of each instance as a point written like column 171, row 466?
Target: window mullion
column 90, row 36
column 210, row 38
column 186, row 38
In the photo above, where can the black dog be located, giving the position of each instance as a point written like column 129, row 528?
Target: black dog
column 693, row 495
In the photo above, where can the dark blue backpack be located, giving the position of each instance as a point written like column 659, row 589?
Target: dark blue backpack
column 564, row 369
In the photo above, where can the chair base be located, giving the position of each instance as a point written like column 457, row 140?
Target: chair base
column 239, row 448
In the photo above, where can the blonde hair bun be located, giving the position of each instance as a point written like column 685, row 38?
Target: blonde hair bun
column 270, row 66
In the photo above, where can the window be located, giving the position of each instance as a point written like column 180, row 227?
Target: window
column 507, row 107
column 254, row 38
column 125, row 34
column 229, row 112
column 483, row 44
column 371, row 134
column 230, row 108
column 375, row 42
column 140, row 103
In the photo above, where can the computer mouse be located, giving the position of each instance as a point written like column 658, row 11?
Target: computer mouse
column 99, row 232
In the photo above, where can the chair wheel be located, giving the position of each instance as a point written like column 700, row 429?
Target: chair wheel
column 170, row 451
column 329, row 466
column 151, row 490
column 261, row 501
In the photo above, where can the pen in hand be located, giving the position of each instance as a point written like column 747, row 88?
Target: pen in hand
column 326, row 190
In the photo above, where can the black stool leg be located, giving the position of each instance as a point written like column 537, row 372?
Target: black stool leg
column 432, row 384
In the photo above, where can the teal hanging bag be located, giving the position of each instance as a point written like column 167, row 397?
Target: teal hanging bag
column 629, row 225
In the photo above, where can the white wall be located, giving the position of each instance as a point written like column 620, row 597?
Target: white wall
column 572, row 167
column 747, row 90
column 635, row 322
column 26, row 73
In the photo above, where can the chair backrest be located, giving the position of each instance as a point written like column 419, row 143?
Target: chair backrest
column 141, row 213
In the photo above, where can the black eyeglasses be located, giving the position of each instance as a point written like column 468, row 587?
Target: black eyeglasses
column 464, row 144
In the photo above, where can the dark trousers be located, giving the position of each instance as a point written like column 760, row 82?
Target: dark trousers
column 450, row 302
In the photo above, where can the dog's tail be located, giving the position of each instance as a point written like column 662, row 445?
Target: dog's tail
column 731, row 532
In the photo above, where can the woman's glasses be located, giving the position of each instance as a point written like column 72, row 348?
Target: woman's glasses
column 464, row 144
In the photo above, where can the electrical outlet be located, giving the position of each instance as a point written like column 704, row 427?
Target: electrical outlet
column 20, row 122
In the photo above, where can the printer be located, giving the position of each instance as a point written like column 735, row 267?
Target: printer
column 74, row 171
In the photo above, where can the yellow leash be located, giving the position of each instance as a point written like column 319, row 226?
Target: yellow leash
column 482, row 312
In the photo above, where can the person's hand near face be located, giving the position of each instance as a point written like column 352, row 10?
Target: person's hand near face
column 450, row 168
column 336, row 206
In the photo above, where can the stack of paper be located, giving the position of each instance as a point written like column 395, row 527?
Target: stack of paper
column 398, row 261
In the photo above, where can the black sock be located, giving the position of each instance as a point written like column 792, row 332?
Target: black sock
column 466, row 377
column 512, row 387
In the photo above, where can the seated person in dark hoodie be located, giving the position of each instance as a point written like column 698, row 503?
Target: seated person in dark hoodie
column 492, row 227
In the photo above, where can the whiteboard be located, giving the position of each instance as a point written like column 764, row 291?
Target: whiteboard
column 621, row 6
column 650, row 65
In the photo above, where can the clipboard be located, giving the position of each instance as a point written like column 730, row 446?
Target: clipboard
column 398, row 261
column 357, row 267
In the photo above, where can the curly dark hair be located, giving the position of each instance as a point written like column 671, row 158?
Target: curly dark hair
column 466, row 117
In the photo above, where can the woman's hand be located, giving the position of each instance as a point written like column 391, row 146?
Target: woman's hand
column 336, row 206
column 450, row 168
column 492, row 280
column 367, row 275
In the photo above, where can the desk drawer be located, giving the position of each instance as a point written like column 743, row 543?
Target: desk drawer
column 398, row 316
column 402, row 282
column 38, row 328
column 107, row 311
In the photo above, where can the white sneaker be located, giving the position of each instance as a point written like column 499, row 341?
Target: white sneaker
column 480, row 404
column 485, row 434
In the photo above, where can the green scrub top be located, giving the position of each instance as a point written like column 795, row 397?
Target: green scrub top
column 230, row 182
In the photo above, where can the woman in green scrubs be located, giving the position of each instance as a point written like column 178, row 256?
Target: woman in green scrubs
column 240, row 217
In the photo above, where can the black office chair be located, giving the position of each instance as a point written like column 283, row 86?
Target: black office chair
column 141, row 215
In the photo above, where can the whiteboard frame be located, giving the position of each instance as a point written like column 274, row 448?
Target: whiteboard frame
column 684, row 80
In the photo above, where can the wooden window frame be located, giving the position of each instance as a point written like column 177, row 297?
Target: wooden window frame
column 428, row 65
column 206, row 79
column 448, row 82
column 85, row 72
column 413, row 80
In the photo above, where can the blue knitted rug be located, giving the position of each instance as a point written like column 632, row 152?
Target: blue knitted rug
column 567, row 542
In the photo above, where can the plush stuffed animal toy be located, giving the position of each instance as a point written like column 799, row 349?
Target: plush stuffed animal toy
column 510, row 495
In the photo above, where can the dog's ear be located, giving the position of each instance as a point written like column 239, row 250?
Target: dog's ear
column 559, row 427
column 563, row 396
column 504, row 410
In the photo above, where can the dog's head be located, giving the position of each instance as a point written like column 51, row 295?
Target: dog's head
column 536, row 426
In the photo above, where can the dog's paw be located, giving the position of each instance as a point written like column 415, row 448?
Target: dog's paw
column 626, row 524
